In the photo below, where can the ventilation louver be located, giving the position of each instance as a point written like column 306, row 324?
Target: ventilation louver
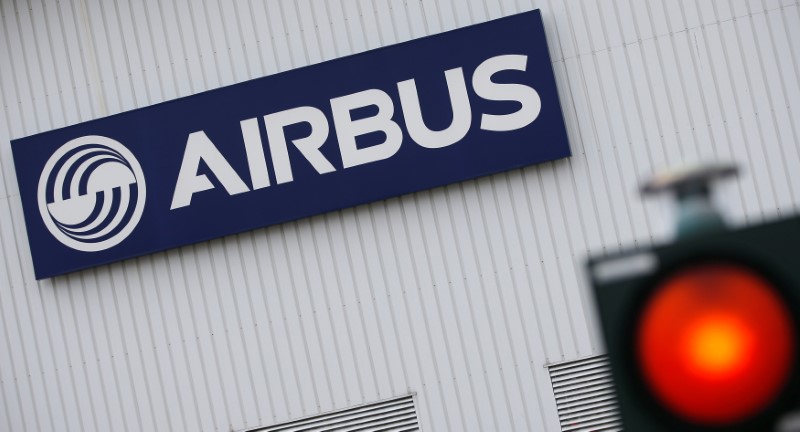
column 394, row 415
column 585, row 395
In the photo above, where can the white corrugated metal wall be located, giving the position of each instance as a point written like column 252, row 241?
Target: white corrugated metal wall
column 461, row 294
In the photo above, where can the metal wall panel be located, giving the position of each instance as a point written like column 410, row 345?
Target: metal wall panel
column 460, row 294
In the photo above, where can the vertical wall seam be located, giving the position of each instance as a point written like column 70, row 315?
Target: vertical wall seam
column 110, row 58
column 338, row 279
column 783, row 91
column 404, row 289
column 246, row 288
column 369, row 276
column 386, row 284
column 515, row 289
column 613, row 144
column 303, row 334
column 151, row 335
column 215, row 335
column 502, row 302
column 737, row 108
column 418, row 287
column 25, row 61
column 137, row 341
column 104, row 319
column 715, row 145
column 459, row 325
column 191, row 308
column 5, row 326
column 81, row 350
column 749, row 91
column 482, row 286
column 324, row 289
column 359, row 306
column 571, row 170
column 437, row 301
column 270, row 326
column 471, row 308
column 760, row 62
column 224, row 247
column 259, row 345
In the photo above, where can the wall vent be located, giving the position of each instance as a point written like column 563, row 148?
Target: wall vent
column 585, row 395
column 393, row 415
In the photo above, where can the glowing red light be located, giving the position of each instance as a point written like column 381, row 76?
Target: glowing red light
column 715, row 344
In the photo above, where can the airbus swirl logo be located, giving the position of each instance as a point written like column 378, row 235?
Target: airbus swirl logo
column 91, row 193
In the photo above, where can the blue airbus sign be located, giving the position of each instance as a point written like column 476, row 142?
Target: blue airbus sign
column 412, row 116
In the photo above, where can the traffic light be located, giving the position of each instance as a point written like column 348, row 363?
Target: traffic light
column 704, row 334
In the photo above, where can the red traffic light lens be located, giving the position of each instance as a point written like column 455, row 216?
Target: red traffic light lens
column 715, row 344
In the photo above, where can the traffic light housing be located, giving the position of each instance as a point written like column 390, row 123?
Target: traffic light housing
column 704, row 333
